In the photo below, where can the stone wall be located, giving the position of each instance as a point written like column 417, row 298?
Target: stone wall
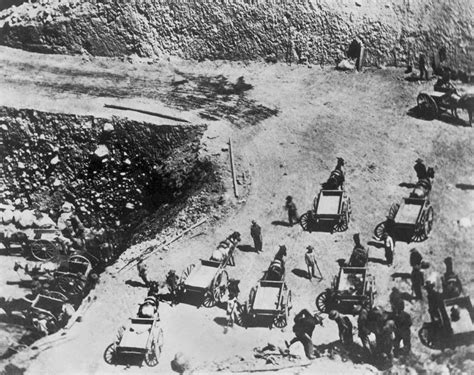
column 318, row 31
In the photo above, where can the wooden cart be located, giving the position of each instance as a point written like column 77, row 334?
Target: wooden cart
column 140, row 338
column 72, row 275
column 450, row 331
column 351, row 287
column 269, row 298
column 330, row 206
column 412, row 220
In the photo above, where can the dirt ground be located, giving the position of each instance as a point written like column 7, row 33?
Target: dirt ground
column 322, row 114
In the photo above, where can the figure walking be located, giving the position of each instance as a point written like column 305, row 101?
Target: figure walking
column 311, row 263
column 345, row 327
column 389, row 246
column 290, row 206
column 256, row 233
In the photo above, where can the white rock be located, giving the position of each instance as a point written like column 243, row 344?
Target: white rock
column 7, row 216
column 108, row 127
column 101, row 151
column 54, row 160
column 465, row 222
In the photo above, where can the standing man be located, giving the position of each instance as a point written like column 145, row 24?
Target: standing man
column 434, row 302
column 143, row 272
column 362, row 326
column 303, row 328
column 403, row 323
column 310, row 260
column 422, row 66
column 232, row 303
column 420, row 169
column 256, row 233
column 385, row 340
column 292, row 211
column 389, row 246
column 415, row 258
column 417, row 279
column 345, row 327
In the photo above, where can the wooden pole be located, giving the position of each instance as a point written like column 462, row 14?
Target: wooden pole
column 113, row 106
column 232, row 167
column 147, row 255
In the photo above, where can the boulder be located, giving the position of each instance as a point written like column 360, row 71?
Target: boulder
column 27, row 219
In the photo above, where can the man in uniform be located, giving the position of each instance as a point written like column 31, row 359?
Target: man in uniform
column 389, row 246
column 143, row 272
column 417, row 279
column 415, row 258
column 434, row 302
column 345, row 327
column 290, row 206
column 256, row 233
column 403, row 323
column 385, row 340
column 452, row 286
column 422, row 66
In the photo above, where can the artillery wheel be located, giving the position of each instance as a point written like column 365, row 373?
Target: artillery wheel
column 43, row 250
column 209, row 300
column 427, row 106
column 426, row 336
column 70, row 285
column 305, row 221
column 423, row 228
column 322, row 302
column 241, row 315
column 379, row 231
column 110, row 354
column 429, row 221
column 81, row 260
column 219, row 286
column 280, row 321
column 153, row 353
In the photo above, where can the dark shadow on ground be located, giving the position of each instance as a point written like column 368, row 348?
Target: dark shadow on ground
column 412, row 78
column 300, row 273
column 260, row 321
column 378, row 245
column 135, row 284
column 401, row 275
column 408, row 185
column 221, row 321
column 322, row 226
column 281, row 223
column 246, row 248
column 352, row 352
column 377, row 260
column 444, row 117
column 465, row 186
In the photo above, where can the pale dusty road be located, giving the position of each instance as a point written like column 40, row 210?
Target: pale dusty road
column 323, row 114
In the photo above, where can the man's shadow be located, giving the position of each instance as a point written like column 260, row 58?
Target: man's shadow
column 281, row 223
column 246, row 248
column 135, row 284
column 300, row 273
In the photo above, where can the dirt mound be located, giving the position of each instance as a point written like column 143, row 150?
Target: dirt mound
column 307, row 31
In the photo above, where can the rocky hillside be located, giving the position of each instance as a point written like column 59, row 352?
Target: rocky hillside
column 117, row 173
column 318, row 31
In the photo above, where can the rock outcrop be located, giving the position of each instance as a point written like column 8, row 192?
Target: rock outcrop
column 315, row 31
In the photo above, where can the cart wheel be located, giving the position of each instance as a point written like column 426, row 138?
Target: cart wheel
column 57, row 295
column 379, row 231
column 393, row 210
column 43, row 250
column 186, row 272
column 70, row 285
column 110, row 354
column 429, row 221
column 343, row 222
column 209, row 300
column 419, row 233
column 79, row 259
column 426, row 336
column 241, row 315
column 427, row 106
column 151, row 357
column 322, row 302
column 280, row 320
column 305, row 222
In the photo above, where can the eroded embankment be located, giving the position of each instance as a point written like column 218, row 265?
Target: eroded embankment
column 120, row 174
column 317, row 31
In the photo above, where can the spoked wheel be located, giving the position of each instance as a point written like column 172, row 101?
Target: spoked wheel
column 43, row 250
column 429, row 221
column 70, row 285
column 426, row 336
column 241, row 315
column 152, row 354
column 187, row 272
column 80, row 260
column 379, row 231
column 305, row 222
column 343, row 223
column 393, row 210
column 110, row 354
column 427, row 106
column 209, row 300
column 322, row 302
column 57, row 295
column 280, row 320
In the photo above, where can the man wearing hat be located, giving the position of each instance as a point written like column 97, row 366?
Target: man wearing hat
column 452, row 286
column 403, row 323
column 363, row 327
column 256, row 233
column 172, row 281
column 290, row 206
column 305, row 322
column 389, row 246
column 310, row 260
column 420, row 169
column 434, row 301
column 345, row 327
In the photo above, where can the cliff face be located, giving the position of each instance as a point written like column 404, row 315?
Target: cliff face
column 318, row 31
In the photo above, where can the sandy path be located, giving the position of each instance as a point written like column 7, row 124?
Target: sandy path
column 322, row 114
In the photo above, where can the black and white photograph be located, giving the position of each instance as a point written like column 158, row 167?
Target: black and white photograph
column 236, row 187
